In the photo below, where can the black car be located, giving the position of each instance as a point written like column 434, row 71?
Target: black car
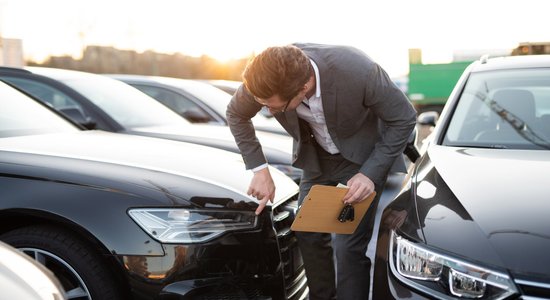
column 118, row 216
column 99, row 102
column 472, row 221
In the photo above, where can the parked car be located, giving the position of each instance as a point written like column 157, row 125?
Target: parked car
column 100, row 102
column 472, row 220
column 198, row 102
column 230, row 87
column 24, row 278
column 118, row 216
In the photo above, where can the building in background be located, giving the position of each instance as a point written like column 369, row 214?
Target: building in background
column 530, row 48
column 429, row 85
column 11, row 52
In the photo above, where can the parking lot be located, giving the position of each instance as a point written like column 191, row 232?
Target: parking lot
column 162, row 150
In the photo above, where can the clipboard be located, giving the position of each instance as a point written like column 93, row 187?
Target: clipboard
column 321, row 207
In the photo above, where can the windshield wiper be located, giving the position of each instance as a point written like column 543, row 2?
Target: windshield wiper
column 519, row 125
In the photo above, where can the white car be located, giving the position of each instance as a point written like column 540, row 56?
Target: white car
column 24, row 278
column 197, row 101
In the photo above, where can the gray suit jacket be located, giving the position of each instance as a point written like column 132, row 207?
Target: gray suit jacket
column 368, row 117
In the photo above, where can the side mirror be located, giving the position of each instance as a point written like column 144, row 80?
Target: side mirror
column 76, row 115
column 428, row 118
column 195, row 115
column 410, row 149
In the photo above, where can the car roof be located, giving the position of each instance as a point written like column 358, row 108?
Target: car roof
column 14, row 70
column 226, row 83
column 183, row 83
column 211, row 96
column 511, row 62
column 59, row 74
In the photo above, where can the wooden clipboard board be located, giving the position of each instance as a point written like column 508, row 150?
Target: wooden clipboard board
column 321, row 207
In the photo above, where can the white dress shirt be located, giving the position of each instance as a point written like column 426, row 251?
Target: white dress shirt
column 311, row 110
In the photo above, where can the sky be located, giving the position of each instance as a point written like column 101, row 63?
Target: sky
column 226, row 29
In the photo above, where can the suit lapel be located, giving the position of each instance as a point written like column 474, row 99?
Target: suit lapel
column 292, row 119
column 289, row 120
column 328, row 95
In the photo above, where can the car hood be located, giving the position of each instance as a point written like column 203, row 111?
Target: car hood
column 498, row 199
column 208, row 134
column 139, row 161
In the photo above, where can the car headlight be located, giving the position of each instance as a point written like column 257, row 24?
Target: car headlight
column 179, row 225
column 289, row 171
column 443, row 276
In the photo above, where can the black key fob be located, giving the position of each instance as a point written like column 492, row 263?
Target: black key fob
column 347, row 214
column 350, row 214
column 342, row 215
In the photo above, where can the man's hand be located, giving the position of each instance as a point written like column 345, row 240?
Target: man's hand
column 262, row 188
column 360, row 187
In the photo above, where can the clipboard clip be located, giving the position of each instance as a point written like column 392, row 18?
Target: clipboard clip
column 347, row 214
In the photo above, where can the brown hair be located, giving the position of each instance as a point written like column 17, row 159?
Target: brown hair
column 279, row 71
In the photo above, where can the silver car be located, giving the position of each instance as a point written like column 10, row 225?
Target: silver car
column 24, row 278
column 197, row 101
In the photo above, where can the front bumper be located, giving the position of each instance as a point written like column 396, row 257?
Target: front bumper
column 260, row 264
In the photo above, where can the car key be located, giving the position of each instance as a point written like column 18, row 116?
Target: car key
column 347, row 213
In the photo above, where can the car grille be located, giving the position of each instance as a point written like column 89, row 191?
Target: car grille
column 291, row 259
column 231, row 293
column 531, row 290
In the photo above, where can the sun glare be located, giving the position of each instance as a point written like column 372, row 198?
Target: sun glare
column 226, row 54
column 222, row 56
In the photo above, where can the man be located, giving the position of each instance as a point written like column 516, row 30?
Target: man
column 349, row 123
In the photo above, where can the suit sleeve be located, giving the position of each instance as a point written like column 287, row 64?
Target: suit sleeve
column 398, row 116
column 240, row 110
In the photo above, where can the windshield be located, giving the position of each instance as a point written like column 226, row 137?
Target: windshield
column 503, row 109
column 214, row 97
column 125, row 104
column 20, row 115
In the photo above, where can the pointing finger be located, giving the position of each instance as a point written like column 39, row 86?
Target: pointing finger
column 261, row 205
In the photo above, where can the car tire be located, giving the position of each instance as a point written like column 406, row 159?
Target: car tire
column 80, row 270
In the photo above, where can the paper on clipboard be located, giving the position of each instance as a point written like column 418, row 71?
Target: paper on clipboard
column 321, row 207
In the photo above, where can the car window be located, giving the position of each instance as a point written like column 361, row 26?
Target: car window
column 212, row 96
column 176, row 102
column 503, row 109
column 125, row 104
column 20, row 115
column 43, row 92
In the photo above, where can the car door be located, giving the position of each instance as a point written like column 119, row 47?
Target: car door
column 193, row 111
